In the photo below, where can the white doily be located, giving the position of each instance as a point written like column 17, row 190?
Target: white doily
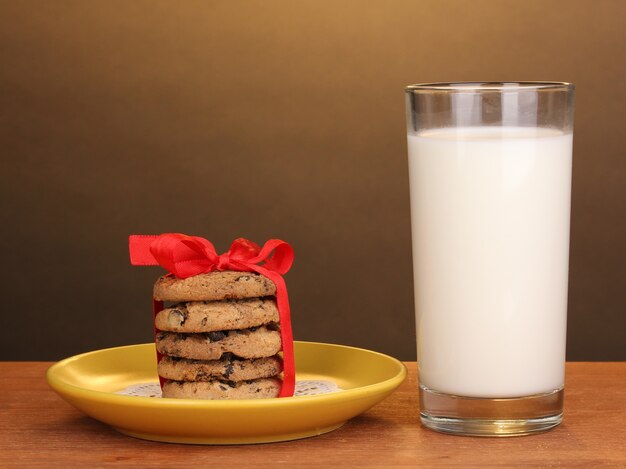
column 303, row 388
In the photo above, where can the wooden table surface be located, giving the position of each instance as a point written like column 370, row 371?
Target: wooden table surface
column 38, row 428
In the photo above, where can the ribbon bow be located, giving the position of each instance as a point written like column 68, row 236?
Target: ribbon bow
column 185, row 256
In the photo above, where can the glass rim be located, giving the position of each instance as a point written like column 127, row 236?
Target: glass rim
column 477, row 86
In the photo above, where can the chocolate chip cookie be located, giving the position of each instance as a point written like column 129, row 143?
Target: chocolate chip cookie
column 219, row 285
column 256, row 389
column 245, row 343
column 229, row 368
column 209, row 316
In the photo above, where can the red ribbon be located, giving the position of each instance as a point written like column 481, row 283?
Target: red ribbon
column 185, row 256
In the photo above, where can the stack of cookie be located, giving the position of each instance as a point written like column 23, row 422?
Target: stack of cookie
column 219, row 336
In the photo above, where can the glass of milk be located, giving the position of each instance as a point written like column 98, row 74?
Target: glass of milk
column 490, row 176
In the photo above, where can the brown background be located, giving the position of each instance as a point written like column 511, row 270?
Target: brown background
column 274, row 119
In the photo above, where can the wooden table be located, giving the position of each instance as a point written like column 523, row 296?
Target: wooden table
column 39, row 429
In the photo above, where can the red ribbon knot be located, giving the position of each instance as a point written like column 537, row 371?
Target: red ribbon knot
column 185, row 256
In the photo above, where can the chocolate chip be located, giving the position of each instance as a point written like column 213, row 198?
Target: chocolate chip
column 204, row 321
column 216, row 336
column 223, row 388
column 230, row 368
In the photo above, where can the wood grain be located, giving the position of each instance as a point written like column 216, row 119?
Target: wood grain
column 39, row 429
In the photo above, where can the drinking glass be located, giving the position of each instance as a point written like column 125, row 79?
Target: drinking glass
column 490, row 181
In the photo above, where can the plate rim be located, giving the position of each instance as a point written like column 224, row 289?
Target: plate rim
column 62, row 387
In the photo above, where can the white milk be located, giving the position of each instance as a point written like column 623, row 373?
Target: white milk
column 490, row 209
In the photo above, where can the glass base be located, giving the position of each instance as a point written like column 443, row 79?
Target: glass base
column 490, row 417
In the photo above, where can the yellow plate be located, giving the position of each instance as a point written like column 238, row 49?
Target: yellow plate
column 89, row 382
